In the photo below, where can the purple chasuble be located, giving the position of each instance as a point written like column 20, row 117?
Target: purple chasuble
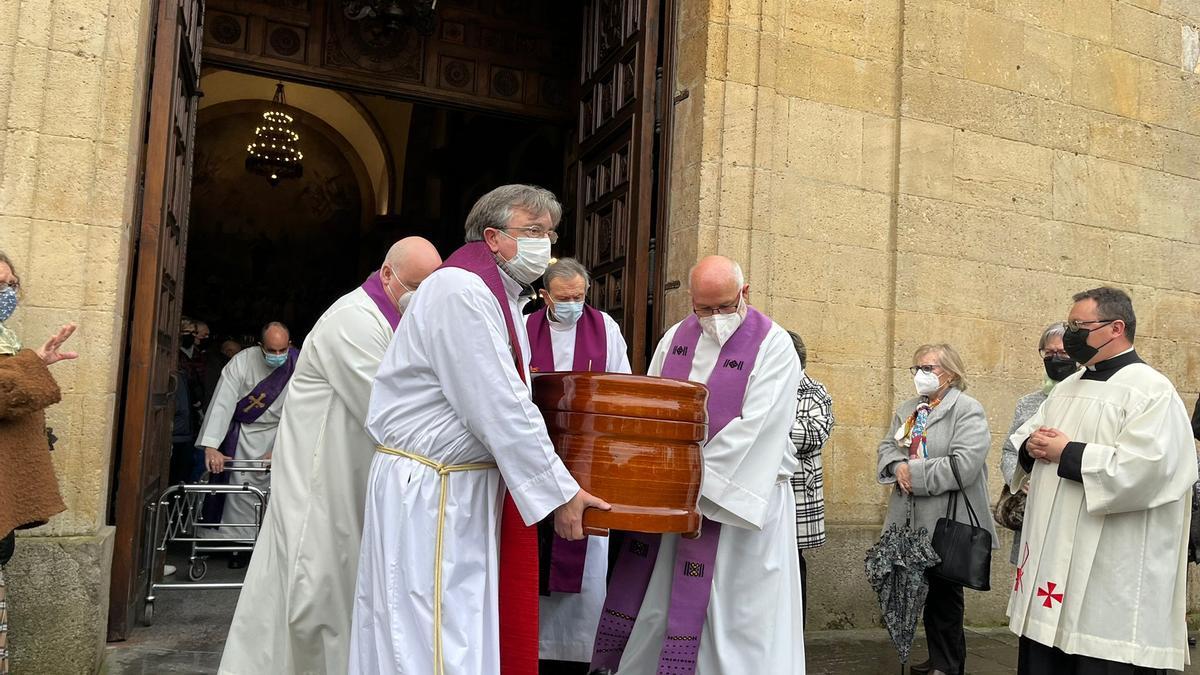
column 383, row 302
column 247, row 410
column 691, row 581
column 591, row 353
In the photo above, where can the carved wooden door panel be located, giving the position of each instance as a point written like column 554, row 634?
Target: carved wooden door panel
column 145, row 435
column 614, row 167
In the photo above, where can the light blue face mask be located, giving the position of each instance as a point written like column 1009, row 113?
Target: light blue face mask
column 568, row 312
column 275, row 360
column 8, row 303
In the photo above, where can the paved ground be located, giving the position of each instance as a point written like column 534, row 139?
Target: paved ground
column 189, row 630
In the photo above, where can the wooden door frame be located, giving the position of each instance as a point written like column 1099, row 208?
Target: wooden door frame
column 137, row 382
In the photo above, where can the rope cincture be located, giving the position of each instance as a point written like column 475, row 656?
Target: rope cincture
column 444, row 471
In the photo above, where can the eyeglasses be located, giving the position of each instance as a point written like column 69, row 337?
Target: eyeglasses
column 1053, row 354
column 15, row 285
column 536, row 232
column 1078, row 325
column 719, row 309
column 925, row 369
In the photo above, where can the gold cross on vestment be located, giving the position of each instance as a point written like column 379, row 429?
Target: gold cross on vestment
column 255, row 403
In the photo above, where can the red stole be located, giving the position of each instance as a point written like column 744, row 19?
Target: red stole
column 518, row 542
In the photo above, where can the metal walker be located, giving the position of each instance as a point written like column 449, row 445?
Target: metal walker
column 176, row 517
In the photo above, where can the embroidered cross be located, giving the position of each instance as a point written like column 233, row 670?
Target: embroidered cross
column 255, row 403
column 1021, row 569
column 1049, row 594
column 693, row 569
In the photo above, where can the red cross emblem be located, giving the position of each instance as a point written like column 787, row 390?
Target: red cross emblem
column 1049, row 594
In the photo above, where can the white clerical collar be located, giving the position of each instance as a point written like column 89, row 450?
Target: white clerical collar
column 1093, row 366
column 511, row 285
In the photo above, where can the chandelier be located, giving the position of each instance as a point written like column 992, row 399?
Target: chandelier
column 274, row 152
column 394, row 15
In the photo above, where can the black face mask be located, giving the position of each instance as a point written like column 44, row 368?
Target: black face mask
column 1077, row 347
column 1059, row 369
column 187, row 340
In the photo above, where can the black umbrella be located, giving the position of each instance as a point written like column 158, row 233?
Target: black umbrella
column 896, row 570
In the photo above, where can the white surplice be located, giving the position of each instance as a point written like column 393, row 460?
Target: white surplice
column 293, row 615
column 239, row 377
column 1114, row 546
column 447, row 390
column 754, row 624
column 567, row 621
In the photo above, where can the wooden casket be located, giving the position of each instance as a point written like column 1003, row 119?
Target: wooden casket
column 633, row 441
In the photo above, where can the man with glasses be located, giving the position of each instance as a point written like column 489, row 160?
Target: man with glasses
column 293, row 615
column 728, row 601
column 464, row 467
column 241, row 423
column 1109, row 461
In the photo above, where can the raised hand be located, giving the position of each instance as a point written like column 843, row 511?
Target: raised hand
column 49, row 353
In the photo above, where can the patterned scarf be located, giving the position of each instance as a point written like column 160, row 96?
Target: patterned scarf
column 10, row 344
column 911, row 434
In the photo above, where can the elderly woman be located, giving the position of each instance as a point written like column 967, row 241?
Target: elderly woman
column 28, row 489
column 1058, row 366
column 939, row 423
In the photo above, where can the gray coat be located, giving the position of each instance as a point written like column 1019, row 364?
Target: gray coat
column 958, row 426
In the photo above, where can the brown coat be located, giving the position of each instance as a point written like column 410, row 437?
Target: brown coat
column 28, row 489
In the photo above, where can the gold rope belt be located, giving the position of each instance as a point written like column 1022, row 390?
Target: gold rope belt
column 443, row 470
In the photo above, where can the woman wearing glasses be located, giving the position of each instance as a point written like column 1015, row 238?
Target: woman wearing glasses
column 1058, row 366
column 939, row 423
column 28, row 489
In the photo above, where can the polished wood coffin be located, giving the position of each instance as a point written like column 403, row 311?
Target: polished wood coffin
column 634, row 441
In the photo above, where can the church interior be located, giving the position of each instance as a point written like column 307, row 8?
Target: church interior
column 366, row 163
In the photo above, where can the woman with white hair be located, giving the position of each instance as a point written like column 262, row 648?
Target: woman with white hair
column 936, row 438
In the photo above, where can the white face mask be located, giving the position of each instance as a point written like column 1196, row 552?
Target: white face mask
column 721, row 327
column 531, row 260
column 568, row 312
column 405, row 298
column 926, row 383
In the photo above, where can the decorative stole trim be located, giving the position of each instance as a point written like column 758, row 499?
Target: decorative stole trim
column 246, row 411
column 443, row 472
column 691, row 582
column 518, row 595
column 567, row 558
column 383, row 302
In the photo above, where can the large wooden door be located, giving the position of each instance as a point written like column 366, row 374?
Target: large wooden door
column 145, row 435
column 614, row 165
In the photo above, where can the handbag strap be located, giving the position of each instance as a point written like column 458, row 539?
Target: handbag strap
column 958, row 479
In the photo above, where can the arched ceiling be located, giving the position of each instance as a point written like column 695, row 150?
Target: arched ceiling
column 353, row 123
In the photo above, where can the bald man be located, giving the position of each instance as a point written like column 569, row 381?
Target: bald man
column 294, row 612
column 728, row 601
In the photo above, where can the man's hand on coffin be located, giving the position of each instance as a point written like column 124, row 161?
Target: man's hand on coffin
column 568, row 518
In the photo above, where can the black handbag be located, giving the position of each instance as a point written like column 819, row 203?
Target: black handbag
column 965, row 549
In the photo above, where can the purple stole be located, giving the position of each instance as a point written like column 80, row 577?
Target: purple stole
column 518, row 593
column 591, row 342
column 591, row 353
column 691, row 580
column 247, row 410
column 374, row 289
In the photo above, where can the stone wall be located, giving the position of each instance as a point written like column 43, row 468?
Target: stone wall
column 893, row 172
column 72, row 76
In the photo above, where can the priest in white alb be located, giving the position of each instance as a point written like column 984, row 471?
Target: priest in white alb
column 464, row 469
column 569, row 334
column 240, row 424
column 728, row 601
column 1101, row 582
column 293, row 615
